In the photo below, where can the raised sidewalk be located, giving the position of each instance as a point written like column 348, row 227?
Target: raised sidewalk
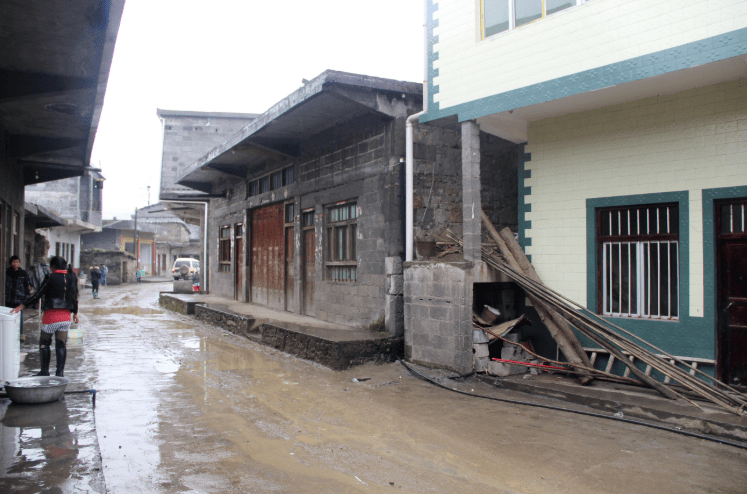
column 333, row 345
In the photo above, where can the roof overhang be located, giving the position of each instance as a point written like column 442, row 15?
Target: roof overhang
column 513, row 125
column 329, row 100
column 42, row 217
column 79, row 227
column 54, row 70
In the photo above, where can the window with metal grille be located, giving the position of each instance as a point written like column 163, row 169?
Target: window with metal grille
column 288, row 176
column 732, row 218
column 342, row 248
column 264, row 185
column 224, row 247
column 307, row 219
column 639, row 261
column 276, row 180
column 254, row 188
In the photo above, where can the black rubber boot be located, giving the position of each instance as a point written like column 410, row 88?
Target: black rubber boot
column 45, row 354
column 60, row 351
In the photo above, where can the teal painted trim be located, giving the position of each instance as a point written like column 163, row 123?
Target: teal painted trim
column 710, row 292
column 432, row 7
column 688, row 337
column 681, row 57
column 523, row 193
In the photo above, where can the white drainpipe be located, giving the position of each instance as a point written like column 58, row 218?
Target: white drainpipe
column 409, row 226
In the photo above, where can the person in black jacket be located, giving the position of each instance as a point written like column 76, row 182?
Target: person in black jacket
column 95, row 274
column 60, row 292
column 17, row 286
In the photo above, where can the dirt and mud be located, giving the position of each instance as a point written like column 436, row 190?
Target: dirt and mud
column 186, row 407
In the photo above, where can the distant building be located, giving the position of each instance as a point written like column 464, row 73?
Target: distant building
column 174, row 237
column 121, row 236
column 77, row 200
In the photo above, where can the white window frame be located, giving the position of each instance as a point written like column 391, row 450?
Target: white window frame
column 512, row 15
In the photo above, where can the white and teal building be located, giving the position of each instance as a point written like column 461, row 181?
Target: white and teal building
column 630, row 119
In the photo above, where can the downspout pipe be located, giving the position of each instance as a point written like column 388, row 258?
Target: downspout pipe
column 204, row 261
column 409, row 137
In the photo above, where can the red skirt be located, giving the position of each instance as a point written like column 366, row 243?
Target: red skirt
column 56, row 320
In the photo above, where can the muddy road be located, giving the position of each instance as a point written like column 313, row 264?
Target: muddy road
column 186, row 407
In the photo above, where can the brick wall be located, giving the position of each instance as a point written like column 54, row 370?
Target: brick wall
column 688, row 141
column 594, row 34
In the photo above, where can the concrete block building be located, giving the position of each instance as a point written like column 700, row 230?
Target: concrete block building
column 629, row 124
column 53, row 83
column 79, row 201
column 305, row 212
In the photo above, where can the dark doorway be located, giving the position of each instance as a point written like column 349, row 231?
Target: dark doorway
column 289, row 256
column 238, row 268
column 731, row 271
column 309, row 261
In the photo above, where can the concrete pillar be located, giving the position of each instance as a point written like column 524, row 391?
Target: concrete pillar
column 471, row 199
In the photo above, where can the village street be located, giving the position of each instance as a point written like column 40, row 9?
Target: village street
column 185, row 407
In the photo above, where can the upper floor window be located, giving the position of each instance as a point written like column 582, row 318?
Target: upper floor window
column 639, row 261
column 502, row 15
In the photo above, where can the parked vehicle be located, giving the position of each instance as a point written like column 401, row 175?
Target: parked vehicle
column 185, row 268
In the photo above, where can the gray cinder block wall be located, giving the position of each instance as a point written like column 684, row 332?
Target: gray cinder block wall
column 438, row 296
column 360, row 161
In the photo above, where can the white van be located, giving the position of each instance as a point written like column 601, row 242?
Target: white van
column 185, row 268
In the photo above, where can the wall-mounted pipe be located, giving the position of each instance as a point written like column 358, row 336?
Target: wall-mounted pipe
column 409, row 137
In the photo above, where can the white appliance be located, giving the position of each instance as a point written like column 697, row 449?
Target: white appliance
column 10, row 344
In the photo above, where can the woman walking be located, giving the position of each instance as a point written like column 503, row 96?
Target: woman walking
column 95, row 275
column 60, row 292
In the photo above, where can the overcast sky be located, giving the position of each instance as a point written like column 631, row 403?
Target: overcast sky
column 233, row 56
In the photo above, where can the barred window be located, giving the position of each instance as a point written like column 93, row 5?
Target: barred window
column 224, row 259
column 254, row 188
column 288, row 176
column 342, row 245
column 639, row 261
column 276, row 180
column 264, row 185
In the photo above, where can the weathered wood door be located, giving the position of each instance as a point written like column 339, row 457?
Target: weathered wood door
column 238, row 270
column 289, row 271
column 267, row 256
column 732, row 284
column 309, row 261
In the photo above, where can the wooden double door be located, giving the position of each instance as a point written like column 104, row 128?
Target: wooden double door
column 273, row 272
column 732, row 291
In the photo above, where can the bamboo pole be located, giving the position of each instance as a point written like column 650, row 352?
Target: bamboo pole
column 529, row 271
column 560, row 337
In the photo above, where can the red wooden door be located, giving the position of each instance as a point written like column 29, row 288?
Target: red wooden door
column 309, row 271
column 732, row 283
column 267, row 249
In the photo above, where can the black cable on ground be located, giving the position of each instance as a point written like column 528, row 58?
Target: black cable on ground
column 580, row 412
column 461, row 376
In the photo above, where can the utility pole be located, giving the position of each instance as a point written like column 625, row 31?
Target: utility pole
column 148, row 187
